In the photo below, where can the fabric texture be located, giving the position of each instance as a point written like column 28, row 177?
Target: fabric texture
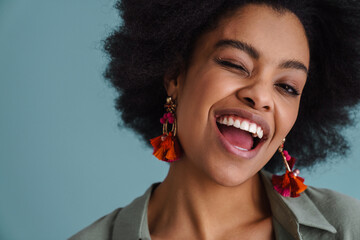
column 318, row 214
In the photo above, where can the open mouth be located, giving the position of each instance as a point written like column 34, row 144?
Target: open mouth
column 241, row 133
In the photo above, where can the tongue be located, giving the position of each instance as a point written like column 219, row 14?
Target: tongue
column 237, row 137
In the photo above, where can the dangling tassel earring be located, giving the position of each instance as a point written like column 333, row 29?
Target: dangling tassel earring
column 166, row 146
column 289, row 184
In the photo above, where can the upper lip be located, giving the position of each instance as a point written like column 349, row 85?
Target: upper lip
column 260, row 121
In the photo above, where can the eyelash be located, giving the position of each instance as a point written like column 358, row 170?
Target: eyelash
column 288, row 89
column 231, row 65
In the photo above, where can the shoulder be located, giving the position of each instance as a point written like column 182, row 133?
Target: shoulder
column 342, row 211
column 340, row 205
column 129, row 222
column 101, row 229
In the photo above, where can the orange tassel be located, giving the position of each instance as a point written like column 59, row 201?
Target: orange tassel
column 288, row 185
column 156, row 141
column 166, row 148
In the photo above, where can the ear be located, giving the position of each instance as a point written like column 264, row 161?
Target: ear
column 174, row 78
column 172, row 85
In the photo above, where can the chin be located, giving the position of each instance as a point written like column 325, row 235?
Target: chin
column 230, row 176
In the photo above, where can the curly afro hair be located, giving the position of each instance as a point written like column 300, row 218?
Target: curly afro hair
column 157, row 38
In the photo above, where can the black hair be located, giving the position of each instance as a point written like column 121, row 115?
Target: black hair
column 157, row 37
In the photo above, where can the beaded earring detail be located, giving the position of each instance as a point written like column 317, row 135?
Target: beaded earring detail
column 289, row 184
column 166, row 146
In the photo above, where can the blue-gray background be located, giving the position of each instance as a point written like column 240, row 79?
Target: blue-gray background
column 63, row 160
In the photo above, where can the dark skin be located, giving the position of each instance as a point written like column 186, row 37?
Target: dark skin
column 215, row 192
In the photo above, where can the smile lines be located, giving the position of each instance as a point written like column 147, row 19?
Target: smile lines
column 242, row 124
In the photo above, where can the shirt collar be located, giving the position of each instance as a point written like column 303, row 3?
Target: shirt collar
column 289, row 213
column 131, row 223
column 293, row 212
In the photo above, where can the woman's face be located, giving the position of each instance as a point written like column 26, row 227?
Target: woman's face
column 246, row 75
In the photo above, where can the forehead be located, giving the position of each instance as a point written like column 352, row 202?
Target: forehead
column 276, row 35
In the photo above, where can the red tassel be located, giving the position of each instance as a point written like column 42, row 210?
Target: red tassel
column 288, row 185
column 166, row 148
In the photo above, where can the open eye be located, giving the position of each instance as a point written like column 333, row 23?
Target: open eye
column 229, row 64
column 288, row 89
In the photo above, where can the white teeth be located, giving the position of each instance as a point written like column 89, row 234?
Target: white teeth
column 258, row 129
column 231, row 121
column 237, row 123
column 243, row 125
column 259, row 132
column 242, row 149
column 225, row 121
column 252, row 128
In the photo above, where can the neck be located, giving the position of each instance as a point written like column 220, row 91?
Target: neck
column 194, row 204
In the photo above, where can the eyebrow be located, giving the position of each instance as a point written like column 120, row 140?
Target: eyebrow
column 294, row 64
column 289, row 64
column 239, row 45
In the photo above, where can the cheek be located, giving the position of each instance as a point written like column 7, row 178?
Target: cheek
column 286, row 116
column 195, row 100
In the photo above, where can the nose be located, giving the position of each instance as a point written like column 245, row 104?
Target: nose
column 258, row 95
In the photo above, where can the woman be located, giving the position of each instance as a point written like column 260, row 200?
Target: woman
column 235, row 74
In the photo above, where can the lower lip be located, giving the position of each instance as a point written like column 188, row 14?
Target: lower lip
column 232, row 149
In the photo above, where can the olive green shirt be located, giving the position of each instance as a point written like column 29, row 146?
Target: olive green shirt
column 317, row 214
